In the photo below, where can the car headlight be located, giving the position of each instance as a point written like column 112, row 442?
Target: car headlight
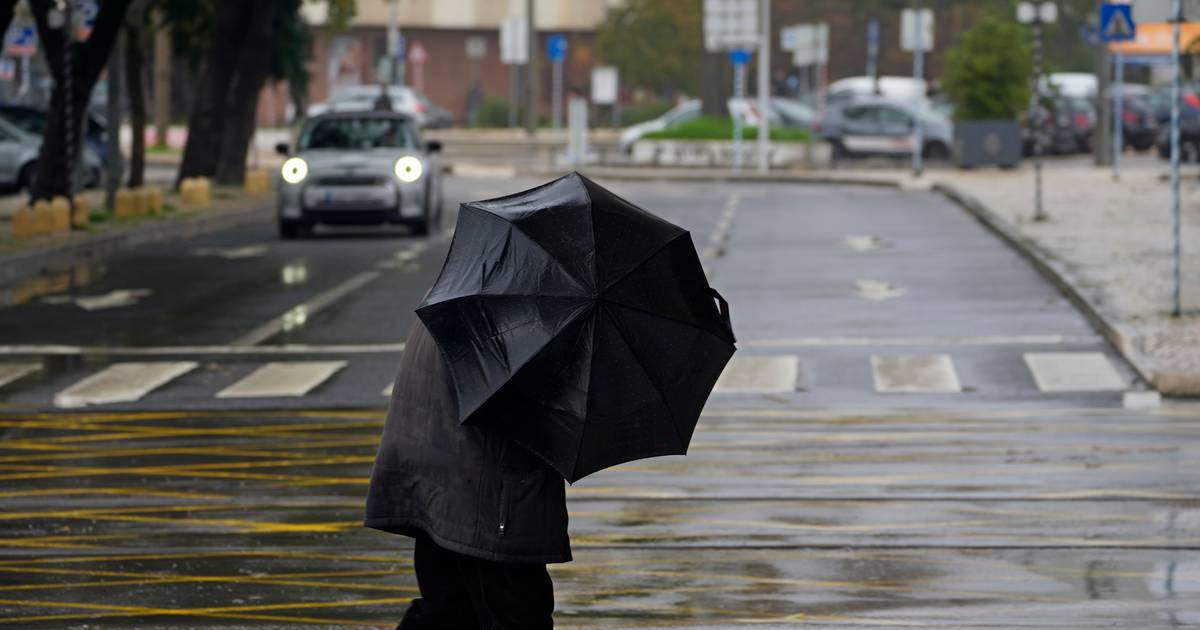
column 294, row 170
column 408, row 169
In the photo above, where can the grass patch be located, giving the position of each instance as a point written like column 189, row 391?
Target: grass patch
column 716, row 128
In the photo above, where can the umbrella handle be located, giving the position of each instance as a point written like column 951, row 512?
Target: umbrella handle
column 723, row 308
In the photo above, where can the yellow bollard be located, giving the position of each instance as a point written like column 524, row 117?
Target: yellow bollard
column 187, row 192
column 43, row 219
column 203, row 191
column 22, row 224
column 82, row 215
column 154, row 200
column 60, row 215
column 139, row 201
column 123, row 204
column 258, row 181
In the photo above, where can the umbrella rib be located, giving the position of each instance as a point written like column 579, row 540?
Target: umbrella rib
column 652, row 254
column 532, row 241
column 666, row 317
column 649, row 379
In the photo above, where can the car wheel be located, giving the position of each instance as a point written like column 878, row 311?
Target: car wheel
column 25, row 178
column 936, row 151
column 839, row 150
column 1189, row 151
column 295, row 229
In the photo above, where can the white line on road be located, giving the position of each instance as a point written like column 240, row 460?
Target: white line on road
column 10, row 372
column 985, row 340
column 1073, row 372
column 759, row 375
column 59, row 350
column 878, row 290
column 922, row 374
column 297, row 315
column 122, row 382
column 282, row 379
column 233, row 253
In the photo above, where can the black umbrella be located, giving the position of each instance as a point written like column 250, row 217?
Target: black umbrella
column 579, row 325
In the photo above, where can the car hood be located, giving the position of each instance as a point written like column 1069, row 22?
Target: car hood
column 377, row 162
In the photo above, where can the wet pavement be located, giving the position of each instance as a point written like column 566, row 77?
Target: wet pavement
column 813, row 496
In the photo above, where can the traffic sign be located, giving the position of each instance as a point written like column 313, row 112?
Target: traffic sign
column 20, row 41
column 514, row 40
column 1116, row 22
column 730, row 24
column 8, row 69
column 604, row 85
column 84, row 18
column 811, row 44
column 417, row 54
column 401, row 47
column 739, row 56
column 556, row 47
column 916, row 30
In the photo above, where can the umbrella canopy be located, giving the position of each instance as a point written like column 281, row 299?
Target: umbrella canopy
column 578, row 324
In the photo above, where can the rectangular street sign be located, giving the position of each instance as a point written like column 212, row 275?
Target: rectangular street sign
column 812, row 44
column 514, row 40
column 910, row 21
column 1116, row 23
column 604, row 85
column 730, row 24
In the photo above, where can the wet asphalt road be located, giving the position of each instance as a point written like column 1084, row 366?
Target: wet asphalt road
column 812, row 496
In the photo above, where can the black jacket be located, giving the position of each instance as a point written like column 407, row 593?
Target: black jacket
column 469, row 489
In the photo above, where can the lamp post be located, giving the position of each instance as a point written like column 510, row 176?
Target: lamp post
column 1037, row 14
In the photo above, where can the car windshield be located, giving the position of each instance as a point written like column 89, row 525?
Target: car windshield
column 357, row 134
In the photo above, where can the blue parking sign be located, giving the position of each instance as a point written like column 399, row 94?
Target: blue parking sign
column 739, row 56
column 556, row 47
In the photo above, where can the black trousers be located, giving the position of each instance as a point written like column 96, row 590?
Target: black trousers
column 463, row 593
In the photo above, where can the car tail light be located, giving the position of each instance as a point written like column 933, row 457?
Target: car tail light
column 1191, row 100
column 1129, row 117
column 1083, row 121
column 419, row 108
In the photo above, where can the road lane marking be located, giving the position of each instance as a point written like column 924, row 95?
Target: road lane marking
column 862, row 242
column 298, row 348
column 296, row 316
column 112, row 299
column 11, row 372
column 232, row 253
column 759, row 375
column 920, row 374
column 278, row 379
column 1073, row 372
column 878, row 290
column 122, row 382
column 986, row 340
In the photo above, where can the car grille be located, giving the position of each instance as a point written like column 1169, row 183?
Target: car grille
column 349, row 180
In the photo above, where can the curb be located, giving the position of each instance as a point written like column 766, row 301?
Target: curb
column 471, row 169
column 1121, row 336
column 51, row 256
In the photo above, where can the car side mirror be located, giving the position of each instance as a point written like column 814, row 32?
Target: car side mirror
column 433, row 146
column 282, row 148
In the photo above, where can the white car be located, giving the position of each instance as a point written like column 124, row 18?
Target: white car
column 893, row 88
column 359, row 168
column 361, row 98
column 682, row 112
column 785, row 112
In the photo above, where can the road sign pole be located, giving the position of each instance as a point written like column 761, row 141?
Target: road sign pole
column 873, row 51
column 1118, row 106
column 1036, row 118
column 556, row 97
column 739, row 93
column 918, row 75
column 1176, row 88
column 764, row 86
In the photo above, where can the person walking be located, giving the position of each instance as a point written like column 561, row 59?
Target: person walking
column 487, row 515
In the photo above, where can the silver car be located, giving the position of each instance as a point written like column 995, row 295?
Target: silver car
column 18, row 158
column 881, row 126
column 360, row 168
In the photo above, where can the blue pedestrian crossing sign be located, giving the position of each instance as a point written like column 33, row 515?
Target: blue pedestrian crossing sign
column 1116, row 22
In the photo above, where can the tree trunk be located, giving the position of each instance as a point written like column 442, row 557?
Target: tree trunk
column 6, row 14
column 134, row 64
column 202, row 152
column 241, row 110
column 88, row 59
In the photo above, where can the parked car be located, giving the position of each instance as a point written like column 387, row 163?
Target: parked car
column 1137, row 119
column 682, row 112
column 33, row 121
column 850, row 89
column 434, row 117
column 785, row 112
column 360, row 168
column 19, row 153
column 361, row 98
column 881, row 126
column 1066, row 126
column 1189, row 136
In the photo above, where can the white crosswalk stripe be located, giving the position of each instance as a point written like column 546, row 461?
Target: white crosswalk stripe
column 759, row 375
column 278, row 379
column 916, row 374
column 1073, row 372
column 10, row 372
column 122, row 382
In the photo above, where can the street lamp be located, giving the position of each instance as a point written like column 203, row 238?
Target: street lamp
column 1037, row 14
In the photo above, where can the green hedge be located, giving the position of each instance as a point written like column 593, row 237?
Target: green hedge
column 716, row 128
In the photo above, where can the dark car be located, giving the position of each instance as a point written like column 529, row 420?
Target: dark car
column 1137, row 123
column 1189, row 136
column 1060, row 128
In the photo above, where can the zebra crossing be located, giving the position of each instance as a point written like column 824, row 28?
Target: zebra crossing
column 763, row 374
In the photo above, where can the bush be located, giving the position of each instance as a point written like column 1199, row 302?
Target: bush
column 717, row 128
column 987, row 71
column 493, row 112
